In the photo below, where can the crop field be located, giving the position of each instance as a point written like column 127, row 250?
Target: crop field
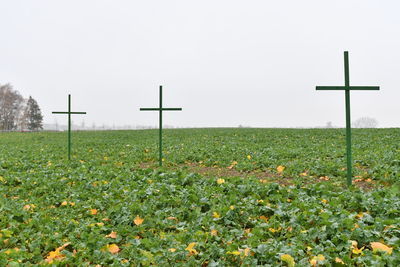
column 224, row 197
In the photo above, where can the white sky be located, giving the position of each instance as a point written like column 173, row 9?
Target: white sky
column 225, row 62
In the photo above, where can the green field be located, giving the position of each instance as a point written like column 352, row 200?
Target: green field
column 225, row 197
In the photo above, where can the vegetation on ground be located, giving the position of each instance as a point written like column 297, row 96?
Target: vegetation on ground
column 225, row 197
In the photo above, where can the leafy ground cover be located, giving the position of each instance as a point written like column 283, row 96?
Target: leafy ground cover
column 225, row 197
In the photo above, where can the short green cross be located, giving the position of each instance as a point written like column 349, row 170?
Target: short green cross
column 160, row 109
column 347, row 89
column 69, row 112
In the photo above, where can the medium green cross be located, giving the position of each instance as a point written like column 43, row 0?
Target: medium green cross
column 347, row 88
column 160, row 109
column 69, row 112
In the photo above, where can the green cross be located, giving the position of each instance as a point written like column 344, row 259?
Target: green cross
column 160, row 109
column 347, row 89
column 69, row 112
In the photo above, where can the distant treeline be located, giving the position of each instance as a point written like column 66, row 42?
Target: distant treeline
column 18, row 113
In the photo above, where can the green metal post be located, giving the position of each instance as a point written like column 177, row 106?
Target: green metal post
column 69, row 127
column 69, row 112
column 348, row 119
column 160, row 109
column 347, row 88
column 160, row 130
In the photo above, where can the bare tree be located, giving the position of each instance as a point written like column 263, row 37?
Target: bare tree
column 365, row 122
column 22, row 120
column 11, row 103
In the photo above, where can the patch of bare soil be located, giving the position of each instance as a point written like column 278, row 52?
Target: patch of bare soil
column 263, row 176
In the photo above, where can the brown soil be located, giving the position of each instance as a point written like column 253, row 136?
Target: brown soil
column 261, row 175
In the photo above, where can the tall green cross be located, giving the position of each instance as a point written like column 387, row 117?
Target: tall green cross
column 160, row 109
column 69, row 112
column 347, row 88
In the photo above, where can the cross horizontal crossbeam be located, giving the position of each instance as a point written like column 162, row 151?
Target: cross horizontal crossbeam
column 158, row 109
column 347, row 88
column 66, row 112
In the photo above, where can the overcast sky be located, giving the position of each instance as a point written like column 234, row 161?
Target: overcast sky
column 225, row 62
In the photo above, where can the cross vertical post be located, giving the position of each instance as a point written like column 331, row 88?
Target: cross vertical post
column 69, row 127
column 347, row 88
column 160, row 109
column 348, row 118
column 69, row 112
column 160, row 128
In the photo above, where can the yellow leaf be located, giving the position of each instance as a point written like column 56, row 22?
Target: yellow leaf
column 324, row 178
column 339, row 260
column 216, row 215
column 112, row 248
column 377, row 246
column 64, row 203
column 172, row 249
column 248, row 157
column 234, row 163
column 280, row 169
column 237, row 253
column 9, row 251
column 214, row 232
column 28, row 207
column 56, row 254
column 93, row 211
column 272, row 230
column 112, row 235
column 317, row 259
column 355, row 227
column 231, row 207
column 191, row 249
column 288, row 259
column 138, row 220
column 220, row 181
column 265, row 219
column 247, row 252
column 360, row 215
column 355, row 249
